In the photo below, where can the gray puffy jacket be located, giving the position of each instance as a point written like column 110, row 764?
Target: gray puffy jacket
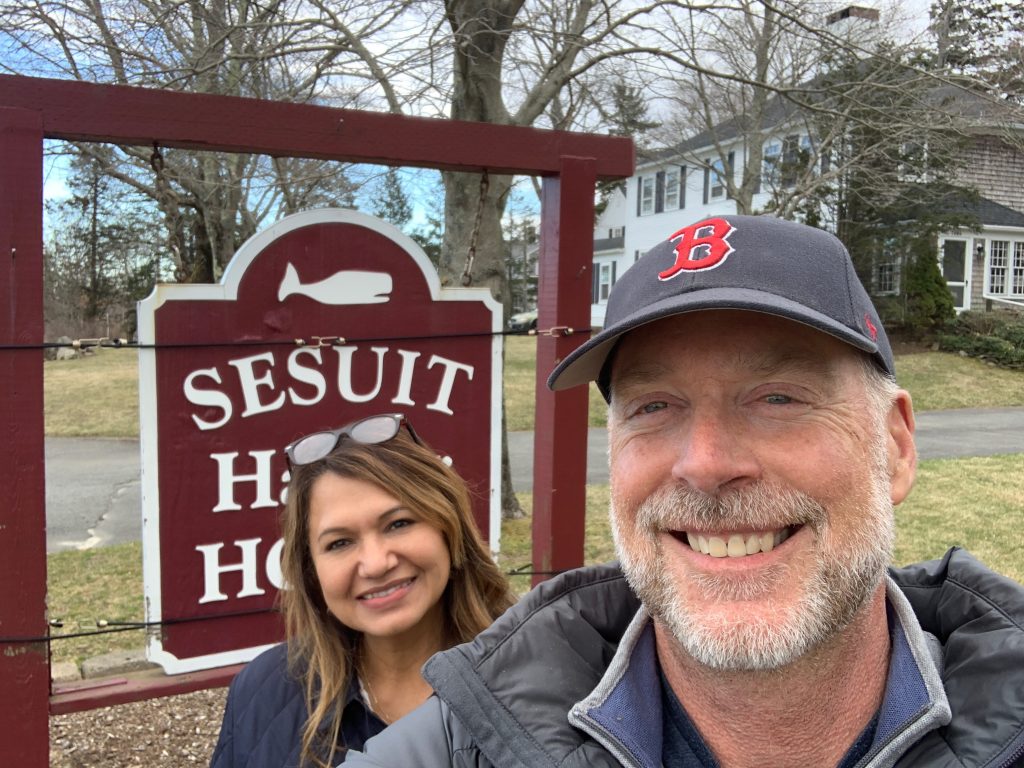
column 503, row 699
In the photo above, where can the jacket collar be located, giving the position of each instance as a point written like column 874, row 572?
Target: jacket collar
column 624, row 714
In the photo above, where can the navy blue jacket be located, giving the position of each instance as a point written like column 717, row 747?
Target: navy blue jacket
column 265, row 714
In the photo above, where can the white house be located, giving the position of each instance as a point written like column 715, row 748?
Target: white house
column 984, row 269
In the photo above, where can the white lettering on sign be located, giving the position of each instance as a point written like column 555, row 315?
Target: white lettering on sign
column 286, row 478
column 207, row 397
column 274, row 575
column 444, row 394
column 227, row 480
column 251, row 384
column 403, row 396
column 310, row 376
column 260, row 393
column 213, row 568
column 345, row 355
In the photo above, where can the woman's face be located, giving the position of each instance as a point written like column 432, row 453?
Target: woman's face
column 382, row 569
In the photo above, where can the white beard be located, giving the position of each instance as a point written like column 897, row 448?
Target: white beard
column 844, row 575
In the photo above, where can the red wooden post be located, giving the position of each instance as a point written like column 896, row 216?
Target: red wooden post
column 24, row 668
column 560, row 435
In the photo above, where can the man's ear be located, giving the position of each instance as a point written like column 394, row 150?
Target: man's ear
column 901, row 449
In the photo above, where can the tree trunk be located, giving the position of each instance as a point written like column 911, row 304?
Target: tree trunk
column 473, row 253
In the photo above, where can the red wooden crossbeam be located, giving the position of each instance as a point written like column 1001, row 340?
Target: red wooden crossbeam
column 106, row 692
column 123, row 115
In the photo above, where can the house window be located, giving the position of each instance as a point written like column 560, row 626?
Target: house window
column 1017, row 274
column 794, row 149
column 717, row 188
column 646, row 195
column 661, row 191
column 605, row 280
column 671, row 190
column 636, row 255
column 913, row 162
column 997, row 265
column 615, row 232
column 886, row 279
column 771, row 159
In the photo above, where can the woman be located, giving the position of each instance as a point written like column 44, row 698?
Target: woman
column 386, row 568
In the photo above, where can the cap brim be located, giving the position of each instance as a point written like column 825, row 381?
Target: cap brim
column 585, row 362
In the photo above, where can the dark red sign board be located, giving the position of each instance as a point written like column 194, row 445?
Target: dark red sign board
column 325, row 317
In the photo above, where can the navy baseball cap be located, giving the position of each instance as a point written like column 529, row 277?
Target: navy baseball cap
column 755, row 263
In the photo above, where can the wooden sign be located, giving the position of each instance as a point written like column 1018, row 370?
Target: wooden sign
column 323, row 318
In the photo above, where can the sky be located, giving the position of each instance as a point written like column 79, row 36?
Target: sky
column 914, row 11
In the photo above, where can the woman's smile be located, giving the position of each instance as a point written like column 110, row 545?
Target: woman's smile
column 382, row 569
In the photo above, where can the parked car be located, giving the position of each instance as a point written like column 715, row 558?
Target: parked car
column 523, row 322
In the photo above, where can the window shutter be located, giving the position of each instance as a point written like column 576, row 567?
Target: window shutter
column 615, row 264
column 730, row 160
column 707, row 182
column 595, row 282
column 639, row 193
column 659, row 192
column 682, row 186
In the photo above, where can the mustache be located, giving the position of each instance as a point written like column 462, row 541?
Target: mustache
column 760, row 506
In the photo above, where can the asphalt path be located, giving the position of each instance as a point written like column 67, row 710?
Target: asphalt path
column 93, row 492
column 93, row 489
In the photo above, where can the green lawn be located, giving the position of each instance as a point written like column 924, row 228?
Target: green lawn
column 939, row 381
column 86, row 587
column 94, row 396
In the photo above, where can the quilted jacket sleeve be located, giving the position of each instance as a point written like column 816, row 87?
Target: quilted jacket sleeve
column 421, row 739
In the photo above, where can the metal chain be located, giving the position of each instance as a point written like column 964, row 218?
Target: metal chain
column 467, row 274
column 167, row 198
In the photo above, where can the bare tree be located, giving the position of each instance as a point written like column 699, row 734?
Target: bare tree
column 210, row 202
column 845, row 113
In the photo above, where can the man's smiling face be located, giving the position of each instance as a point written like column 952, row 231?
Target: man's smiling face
column 753, row 477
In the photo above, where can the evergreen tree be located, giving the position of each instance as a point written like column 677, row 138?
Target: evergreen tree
column 430, row 235
column 628, row 118
column 928, row 302
column 983, row 39
column 101, row 256
column 521, row 263
column 901, row 189
column 392, row 203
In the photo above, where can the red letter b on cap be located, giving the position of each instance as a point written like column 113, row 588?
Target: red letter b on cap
column 701, row 246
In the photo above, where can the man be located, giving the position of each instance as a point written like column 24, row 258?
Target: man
column 758, row 444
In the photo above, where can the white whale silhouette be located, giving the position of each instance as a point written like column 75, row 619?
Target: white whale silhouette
column 349, row 286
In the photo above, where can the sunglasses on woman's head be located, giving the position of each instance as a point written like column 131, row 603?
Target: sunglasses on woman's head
column 368, row 431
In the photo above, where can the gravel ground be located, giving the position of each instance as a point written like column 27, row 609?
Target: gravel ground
column 159, row 733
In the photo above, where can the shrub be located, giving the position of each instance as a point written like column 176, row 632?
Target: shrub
column 995, row 337
column 929, row 302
